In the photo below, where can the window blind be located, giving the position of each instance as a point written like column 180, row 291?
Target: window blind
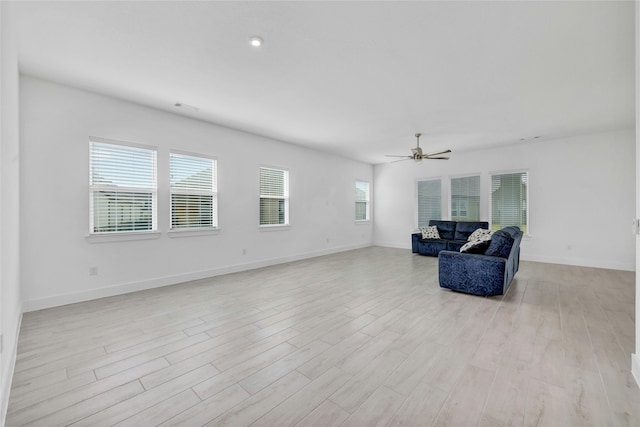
column 509, row 204
column 193, row 183
column 122, row 181
column 429, row 201
column 274, row 196
column 362, row 201
column 465, row 198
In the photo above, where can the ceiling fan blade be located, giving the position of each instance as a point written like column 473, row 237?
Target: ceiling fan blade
column 391, row 155
column 438, row 153
column 401, row 160
column 435, row 158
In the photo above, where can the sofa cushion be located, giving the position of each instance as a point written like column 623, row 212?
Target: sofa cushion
column 431, row 247
column 446, row 229
column 430, row 232
column 465, row 228
column 477, row 246
column 455, row 245
column 480, row 232
column 500, row 246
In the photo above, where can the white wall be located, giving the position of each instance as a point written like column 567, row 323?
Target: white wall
column 10, row 299
column 581, row 191
column 635, row 358
column 56, row 256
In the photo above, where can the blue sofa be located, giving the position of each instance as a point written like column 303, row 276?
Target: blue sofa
column 453, row 234
column 485, row 274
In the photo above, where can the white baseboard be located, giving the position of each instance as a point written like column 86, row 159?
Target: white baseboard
column 8, row 376
column 546, row 259
column 577, row 262
column 75, row 297
column 635, row 367
column 393, row 245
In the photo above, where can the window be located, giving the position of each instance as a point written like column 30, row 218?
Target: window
column 122, row 187
column 465, row 198
column 194, row 198
column 429, row 201
column 509, row 200
column 274, row 196
column 362, row 201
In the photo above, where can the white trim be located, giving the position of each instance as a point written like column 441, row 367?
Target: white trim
column 95, row 188
column 580, row 262
column 75, row 297
column 416, row 217
column 393, row 245
column 286, row 197
column 635, row 367
column 367, row 201
column 122, row 236
column 190, row 232
column 464, row 175
column 8, row 376
column 119, row 142
column 192, row 154
column 490, row 200
column 213, row 192
column 504, row 172
column 274, row 227
column 450, row 197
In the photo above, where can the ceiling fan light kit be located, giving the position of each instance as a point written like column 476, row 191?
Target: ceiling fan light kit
column 418, row 156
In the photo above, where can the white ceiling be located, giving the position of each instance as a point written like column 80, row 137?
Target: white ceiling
column 353, row 78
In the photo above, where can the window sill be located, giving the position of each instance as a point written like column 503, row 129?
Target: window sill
column 278, row 227
column 362, row 221
column 191, row 232
column 122, row 237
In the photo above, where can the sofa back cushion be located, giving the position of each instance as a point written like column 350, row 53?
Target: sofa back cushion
column 501, row 243
column 465, row 228
column 446, row 229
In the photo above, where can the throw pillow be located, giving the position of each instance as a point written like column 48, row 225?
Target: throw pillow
column 478, row 246
column 478, row 233
column 430, row 232
column 500, row 245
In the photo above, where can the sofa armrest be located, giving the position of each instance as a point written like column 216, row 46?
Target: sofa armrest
column 415, row 238
column 472, row 273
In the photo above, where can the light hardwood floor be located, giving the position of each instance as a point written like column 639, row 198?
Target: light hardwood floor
column 362, row 338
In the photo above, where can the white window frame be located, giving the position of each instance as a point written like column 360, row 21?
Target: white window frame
column 93, row 188
column 285, row 197
column 417, row 197
column 526, row 232
column 213, row 192
column 459, row 207
column 367, row 201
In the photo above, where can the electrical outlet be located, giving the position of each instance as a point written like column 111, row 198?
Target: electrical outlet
column 634, row 226
column 244, row 252
column 93, row 271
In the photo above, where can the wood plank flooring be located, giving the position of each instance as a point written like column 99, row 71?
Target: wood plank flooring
column 361, row 338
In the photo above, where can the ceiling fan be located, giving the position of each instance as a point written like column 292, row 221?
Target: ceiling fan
column 417, row 153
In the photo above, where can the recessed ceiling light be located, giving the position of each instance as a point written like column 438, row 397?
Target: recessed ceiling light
column 256, row 41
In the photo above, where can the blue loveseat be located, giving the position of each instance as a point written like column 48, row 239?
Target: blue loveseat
column 453, row 235
column 488, row 274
